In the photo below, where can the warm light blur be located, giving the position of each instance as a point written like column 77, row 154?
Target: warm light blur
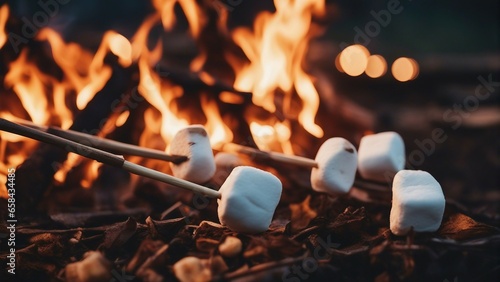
column 416, row 68
column 337, row 63
column 354, row 59
column 121, row 47
column 91, row 173
column 405, row 69
column 28, row 82
column 231, row 98
column 207, row 78
column 161, row 98
column 99, row 73
column 283, row 134
column 263, row 135
column 4, row 15
column 376, row 66
column 122, row 118
column 218, row 131
column 192, row 11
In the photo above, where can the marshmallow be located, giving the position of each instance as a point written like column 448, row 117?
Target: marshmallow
column 381, row 156
column 417, row 201
column 193, row 142
column 248, row 199
column 337, row 162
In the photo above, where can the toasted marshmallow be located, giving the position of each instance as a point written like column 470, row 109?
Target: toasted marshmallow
column 337, row 163
column 194, row 143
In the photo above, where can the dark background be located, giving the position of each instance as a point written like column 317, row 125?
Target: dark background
column 442, row 27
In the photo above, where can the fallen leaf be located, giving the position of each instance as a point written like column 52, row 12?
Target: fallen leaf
column 461, row 227
column 118, row 234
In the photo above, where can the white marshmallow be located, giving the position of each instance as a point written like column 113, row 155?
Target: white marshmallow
column 248, row 199
column 337, row 162
column 417, row 201
column 193, row 142
column 381, row 156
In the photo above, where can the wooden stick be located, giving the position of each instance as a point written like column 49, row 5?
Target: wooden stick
column 104, row 157
column 267, row 155
column 297, row 160
column 108, row 145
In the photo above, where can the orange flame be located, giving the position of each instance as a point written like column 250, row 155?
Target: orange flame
column 191, row 10
column 28, row 82
column 276, row 50
column 218, row 131
column 4, row 15
column 45, row 99
column 275, row 63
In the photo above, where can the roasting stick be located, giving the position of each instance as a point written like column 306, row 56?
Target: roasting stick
column 107, row 144
column 366, row 184
column 333, row 169
column 268, row 155
column 104, row 157
column 370, row 184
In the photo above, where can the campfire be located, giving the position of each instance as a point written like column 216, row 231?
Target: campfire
column 276, row 166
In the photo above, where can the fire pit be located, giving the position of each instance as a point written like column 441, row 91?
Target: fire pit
column 322, row 130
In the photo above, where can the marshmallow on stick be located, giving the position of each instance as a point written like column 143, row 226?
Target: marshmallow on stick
column 333, row 169
column 381, row 156
column 417, row 202
column 248, row 198
column 337, row 163
column 194, row 143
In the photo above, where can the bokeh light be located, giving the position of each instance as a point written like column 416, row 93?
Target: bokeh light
column 405, row 69
column 353, row 59
column 376, row 66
